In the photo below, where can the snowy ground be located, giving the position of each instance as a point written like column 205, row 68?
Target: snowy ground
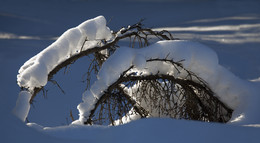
column 229, row 27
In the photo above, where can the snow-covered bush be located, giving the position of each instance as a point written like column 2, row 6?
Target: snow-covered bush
column 156, row 76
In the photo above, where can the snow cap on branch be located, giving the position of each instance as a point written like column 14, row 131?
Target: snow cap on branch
column 34, row 72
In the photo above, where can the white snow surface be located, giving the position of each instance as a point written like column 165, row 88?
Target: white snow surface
column 34, row 72
column 198, row 58
column 199, row 132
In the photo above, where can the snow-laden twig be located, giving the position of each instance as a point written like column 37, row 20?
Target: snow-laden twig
column 159, row 95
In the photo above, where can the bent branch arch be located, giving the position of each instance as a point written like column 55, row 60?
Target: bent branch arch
column 160, row 95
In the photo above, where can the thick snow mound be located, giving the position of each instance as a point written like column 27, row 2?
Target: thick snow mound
column 194, row 56
column 34, row 72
